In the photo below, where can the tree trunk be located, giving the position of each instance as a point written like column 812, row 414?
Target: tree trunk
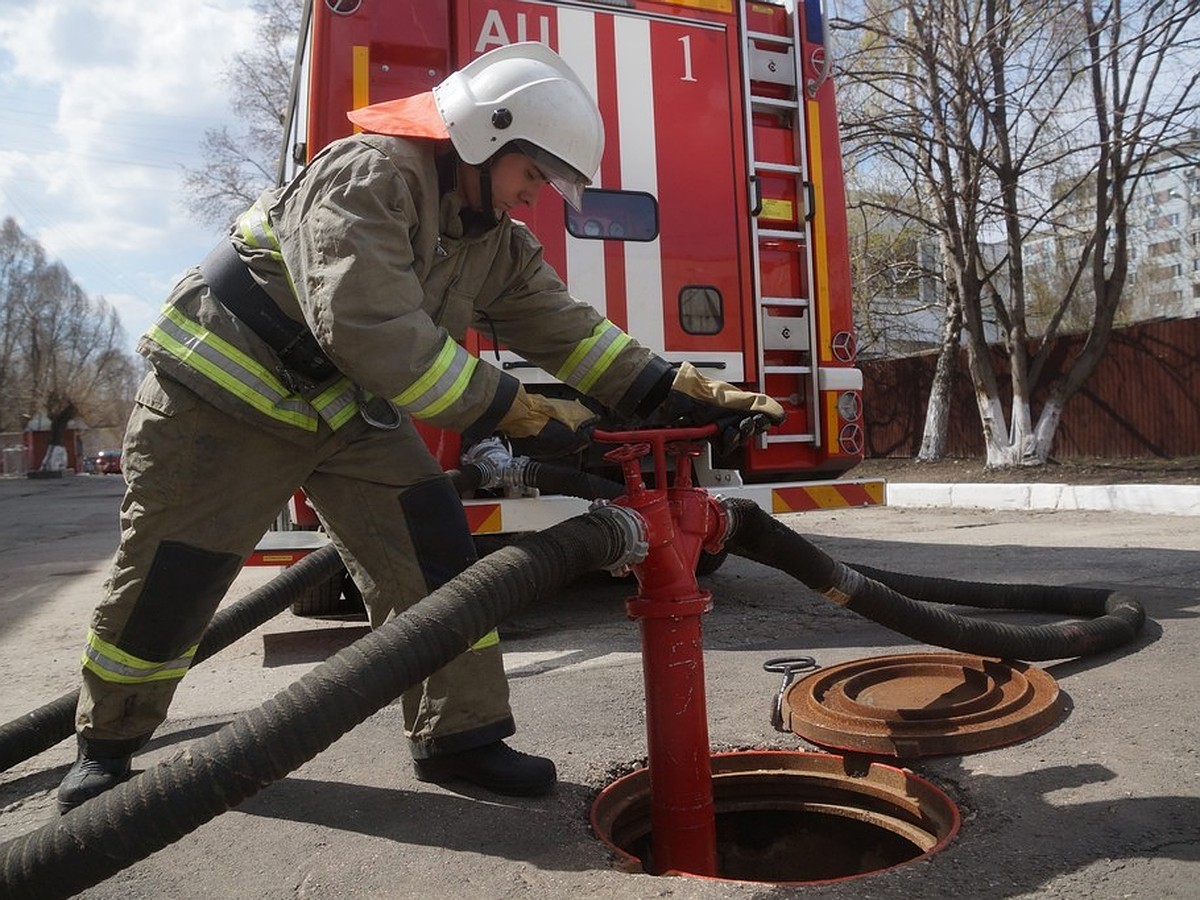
column 59, row 421
column 937, row 410
column 1047, row 428
column 56, row 457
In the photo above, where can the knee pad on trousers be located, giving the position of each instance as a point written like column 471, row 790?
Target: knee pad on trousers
column 438, row 529
column 182, row 591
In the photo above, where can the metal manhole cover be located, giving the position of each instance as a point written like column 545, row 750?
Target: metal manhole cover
column 922, row 704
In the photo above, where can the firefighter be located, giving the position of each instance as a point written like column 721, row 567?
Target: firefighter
column 300, row 353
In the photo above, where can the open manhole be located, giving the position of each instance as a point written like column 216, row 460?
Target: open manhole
column 793, row 818
column 921, row 704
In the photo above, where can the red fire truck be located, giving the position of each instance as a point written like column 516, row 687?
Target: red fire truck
column 715, row 231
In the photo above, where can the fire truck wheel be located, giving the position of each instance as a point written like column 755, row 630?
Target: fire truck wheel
column 338, row 597
column 710, row 562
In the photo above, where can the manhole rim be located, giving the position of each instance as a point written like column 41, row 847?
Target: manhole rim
column 727, row 765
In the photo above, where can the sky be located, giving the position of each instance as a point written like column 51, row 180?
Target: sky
column 103, row 103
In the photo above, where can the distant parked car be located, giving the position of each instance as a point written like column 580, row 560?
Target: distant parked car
column 108, row 462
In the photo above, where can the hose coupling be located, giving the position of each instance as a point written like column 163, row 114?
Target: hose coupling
column 492, row 458
column 633, row 533
column 729, row 522
column 519, row 477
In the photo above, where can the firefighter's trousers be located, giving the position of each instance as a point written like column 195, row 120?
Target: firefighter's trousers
column 203, row 487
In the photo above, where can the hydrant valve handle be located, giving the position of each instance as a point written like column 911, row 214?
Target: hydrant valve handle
column 655, row 435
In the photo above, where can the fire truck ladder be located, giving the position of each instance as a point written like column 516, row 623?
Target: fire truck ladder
column 772, row 63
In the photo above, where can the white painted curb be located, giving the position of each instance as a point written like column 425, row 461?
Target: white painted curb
column 1152, row 499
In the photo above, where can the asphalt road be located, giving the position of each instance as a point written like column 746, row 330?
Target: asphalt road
column 1106, row 803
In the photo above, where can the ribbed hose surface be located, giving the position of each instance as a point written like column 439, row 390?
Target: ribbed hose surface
column 554, row 479
column 45, row 726
column 168, row 801
column 547, row 478
column 880, row 596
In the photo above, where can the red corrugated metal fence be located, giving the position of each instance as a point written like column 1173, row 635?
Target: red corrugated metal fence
column 1143, row 400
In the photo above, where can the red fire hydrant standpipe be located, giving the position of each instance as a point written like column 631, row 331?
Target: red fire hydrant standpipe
column 681, row 520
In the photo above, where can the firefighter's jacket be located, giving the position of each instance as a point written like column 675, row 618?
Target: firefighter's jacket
column 364, row 248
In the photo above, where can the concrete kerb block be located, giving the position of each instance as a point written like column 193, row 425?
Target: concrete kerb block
column 992, row 496
column 1150, row 499
column 920, row 496
column 1053, row 496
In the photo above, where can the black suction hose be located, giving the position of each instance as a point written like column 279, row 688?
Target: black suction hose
column 45, row 726
column 546, row 477
column 1115, row 619
column 167, row 801
column 468, row 478
column 42, row 728
column 571, row 482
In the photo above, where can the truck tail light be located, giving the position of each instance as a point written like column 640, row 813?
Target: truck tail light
column 849, row 406
column 850, row 439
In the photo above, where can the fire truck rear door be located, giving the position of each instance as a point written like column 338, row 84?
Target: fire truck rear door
column 661, row 246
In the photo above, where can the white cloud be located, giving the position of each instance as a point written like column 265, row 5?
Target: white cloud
column 102, row 104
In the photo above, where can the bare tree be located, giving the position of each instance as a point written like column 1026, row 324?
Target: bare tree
column 1007, row 118
column 888, row 267
column 19, row 259
column 1141, row 67
column 60, row 351
column 239, row 165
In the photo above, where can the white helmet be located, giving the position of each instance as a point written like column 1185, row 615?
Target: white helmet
column 525, row 95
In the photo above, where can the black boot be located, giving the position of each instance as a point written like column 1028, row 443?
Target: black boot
column 90, row 777
column 495, row 766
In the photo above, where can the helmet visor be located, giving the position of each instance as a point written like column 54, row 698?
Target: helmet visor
column 564, row 178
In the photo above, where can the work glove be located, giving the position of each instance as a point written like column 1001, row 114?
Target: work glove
column 695, row 399
column 546, row 427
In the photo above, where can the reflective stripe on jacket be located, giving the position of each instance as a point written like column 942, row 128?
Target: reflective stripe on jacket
column 364, row 249
column 246, row 379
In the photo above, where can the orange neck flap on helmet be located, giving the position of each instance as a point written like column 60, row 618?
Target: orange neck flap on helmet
column 416, row 116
